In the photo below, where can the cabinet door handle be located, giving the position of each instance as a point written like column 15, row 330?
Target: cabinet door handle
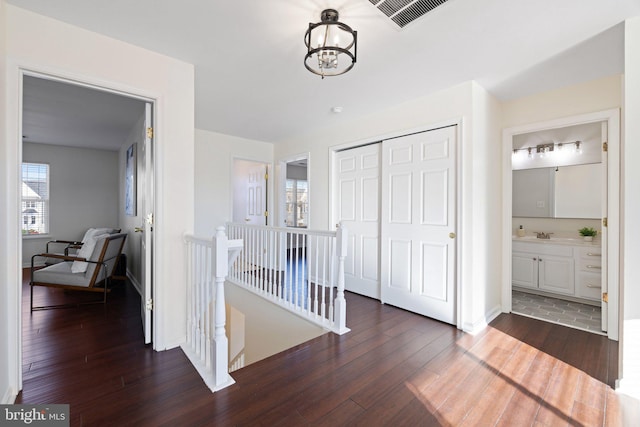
column 594, row 266
column 535, row 259
column 591, row 254
column 589, row 285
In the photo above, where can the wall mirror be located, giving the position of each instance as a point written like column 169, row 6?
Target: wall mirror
column 558, row 192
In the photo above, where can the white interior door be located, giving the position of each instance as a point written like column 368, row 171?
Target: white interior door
column 357, row 207
column 418, row 223
column 256, row 195
column 147, row 207
column 250, row 192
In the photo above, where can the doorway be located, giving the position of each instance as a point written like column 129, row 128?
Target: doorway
column 84, row 132
column 295, row 191
column 560, row 177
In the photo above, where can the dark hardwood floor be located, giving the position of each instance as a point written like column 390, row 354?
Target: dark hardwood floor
column 393, row 368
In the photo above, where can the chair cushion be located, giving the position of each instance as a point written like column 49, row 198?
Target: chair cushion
column 61, row 273
column 87, row 252
column 97, row 231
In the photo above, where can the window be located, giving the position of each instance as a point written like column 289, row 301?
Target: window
column 35, row 198
column 297, row 204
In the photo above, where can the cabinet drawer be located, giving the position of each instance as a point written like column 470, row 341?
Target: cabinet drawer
column 589, row 253
column 593, row 265
column 588, row 285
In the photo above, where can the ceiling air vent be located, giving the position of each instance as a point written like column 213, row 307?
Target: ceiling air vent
column 403, row 12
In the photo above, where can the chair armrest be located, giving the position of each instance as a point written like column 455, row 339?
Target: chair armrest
column 62, row 257
column 69, row 243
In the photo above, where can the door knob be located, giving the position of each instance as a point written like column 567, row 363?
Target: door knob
column 138, row 229
column 452, row 235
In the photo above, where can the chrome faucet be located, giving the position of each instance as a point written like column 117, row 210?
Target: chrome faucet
column 543, row 235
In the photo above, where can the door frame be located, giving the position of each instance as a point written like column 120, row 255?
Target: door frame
column 333, row 188
column 612, row 118
column 282, row 187
column 21, row 70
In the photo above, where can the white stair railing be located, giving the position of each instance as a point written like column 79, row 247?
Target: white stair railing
column 207, row 343
column 301, row 270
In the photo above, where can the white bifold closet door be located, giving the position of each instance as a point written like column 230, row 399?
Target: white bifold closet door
column 357, row 207
column 418, row 223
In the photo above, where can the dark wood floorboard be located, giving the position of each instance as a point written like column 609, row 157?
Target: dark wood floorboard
column 394, row 368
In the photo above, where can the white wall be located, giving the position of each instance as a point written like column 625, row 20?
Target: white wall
column 480, row 183
column 596, row 95
column 48, row 46
column 83, row 192
column 213, row 176
column 484, row 219
column 630, row 295
column 125, row 222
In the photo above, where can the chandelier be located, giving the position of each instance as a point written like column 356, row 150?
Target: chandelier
column 335, row 45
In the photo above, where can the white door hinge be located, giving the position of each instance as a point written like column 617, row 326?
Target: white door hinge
column 149, row 305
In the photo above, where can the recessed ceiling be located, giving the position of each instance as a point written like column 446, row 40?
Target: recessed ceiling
column 248, row 55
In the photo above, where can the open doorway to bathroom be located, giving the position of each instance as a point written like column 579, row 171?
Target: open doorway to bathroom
column 560, row 183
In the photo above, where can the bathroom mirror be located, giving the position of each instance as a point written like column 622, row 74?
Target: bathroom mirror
column 558, row 192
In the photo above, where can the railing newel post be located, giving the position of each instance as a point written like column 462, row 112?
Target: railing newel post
column 340, row 306
column 219, row 350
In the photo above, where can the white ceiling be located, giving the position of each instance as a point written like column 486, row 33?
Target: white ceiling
column 248, row 55
column 64, row 114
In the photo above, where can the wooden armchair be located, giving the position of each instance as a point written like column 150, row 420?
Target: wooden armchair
column 91, row 267
column 70, row 247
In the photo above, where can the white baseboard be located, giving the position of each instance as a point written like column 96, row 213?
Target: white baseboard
column 37, row 264
column 9, row 397
column 474, row 328
column 134, row 282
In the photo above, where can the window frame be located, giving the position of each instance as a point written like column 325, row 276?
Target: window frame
column 35, row 170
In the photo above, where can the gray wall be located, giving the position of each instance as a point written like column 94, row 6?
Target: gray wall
column 83, row 192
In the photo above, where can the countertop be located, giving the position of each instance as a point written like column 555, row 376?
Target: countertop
column 567, row 241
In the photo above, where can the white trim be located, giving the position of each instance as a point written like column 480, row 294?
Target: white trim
column 612, row 117
column 474, row 328
column 9, row 397
column 17, row 71
column 135, row 283
column 458, row 122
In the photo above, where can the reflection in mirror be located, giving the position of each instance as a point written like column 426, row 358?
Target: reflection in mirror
column 297, row 194
column 558, row 192
column 557, row 173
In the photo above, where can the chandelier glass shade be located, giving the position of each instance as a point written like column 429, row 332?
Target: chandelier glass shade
column 331, row 45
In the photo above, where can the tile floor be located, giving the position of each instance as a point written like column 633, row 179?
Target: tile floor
column 573, row 314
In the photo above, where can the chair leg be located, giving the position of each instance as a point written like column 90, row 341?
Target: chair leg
column 31, row 298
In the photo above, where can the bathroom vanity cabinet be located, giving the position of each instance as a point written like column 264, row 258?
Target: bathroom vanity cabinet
column 559, row 268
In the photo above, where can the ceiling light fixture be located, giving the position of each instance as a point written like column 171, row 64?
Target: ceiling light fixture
column 336, row 45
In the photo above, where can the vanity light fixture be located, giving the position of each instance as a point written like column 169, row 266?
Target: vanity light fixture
column 336, row 45
column 543, row 149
